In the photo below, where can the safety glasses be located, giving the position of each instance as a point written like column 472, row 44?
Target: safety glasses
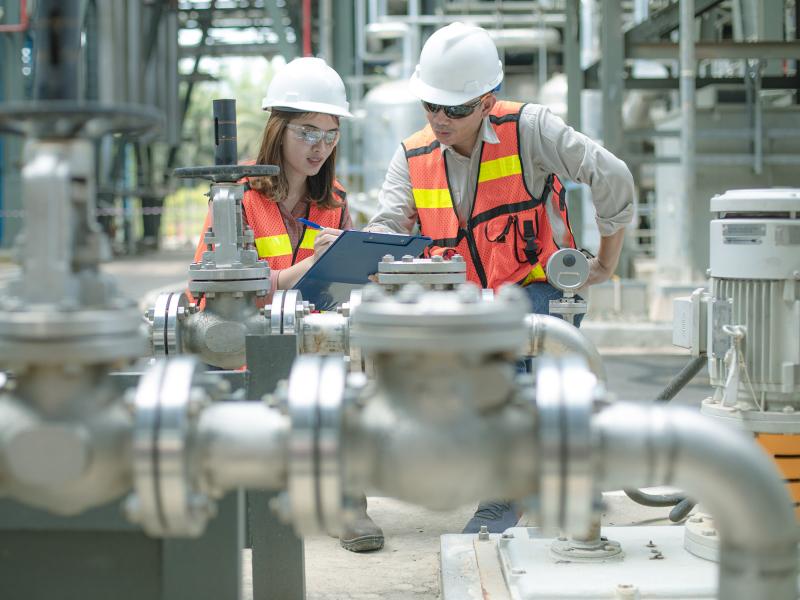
column 454, row 112
column 313, row 135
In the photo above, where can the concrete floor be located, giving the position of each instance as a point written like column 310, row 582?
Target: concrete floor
column 408, row 566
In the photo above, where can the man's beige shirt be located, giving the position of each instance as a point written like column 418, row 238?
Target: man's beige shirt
column 547, row 145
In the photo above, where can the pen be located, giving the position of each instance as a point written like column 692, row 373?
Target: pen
column 310, row 223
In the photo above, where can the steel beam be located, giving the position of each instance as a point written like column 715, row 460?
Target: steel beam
column 256, row 49
column 672, row 83
column 276, row 13
column 664, row 22
column 717, row 50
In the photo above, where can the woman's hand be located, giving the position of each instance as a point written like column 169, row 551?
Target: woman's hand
column 324, row 239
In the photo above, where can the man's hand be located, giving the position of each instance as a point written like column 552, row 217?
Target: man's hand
column 324, row 239
column 603, row 266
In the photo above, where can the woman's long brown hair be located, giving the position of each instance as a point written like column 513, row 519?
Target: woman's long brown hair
column 276, row 187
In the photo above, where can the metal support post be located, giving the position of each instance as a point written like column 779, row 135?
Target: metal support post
column 611, row 74
column 344, row 57
column 278, row 554
column 277, row 13
column 572, row 60
column 612, row 71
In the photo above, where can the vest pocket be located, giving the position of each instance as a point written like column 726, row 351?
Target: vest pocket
column 502, row 248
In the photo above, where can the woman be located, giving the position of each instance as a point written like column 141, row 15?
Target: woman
column 305, row 99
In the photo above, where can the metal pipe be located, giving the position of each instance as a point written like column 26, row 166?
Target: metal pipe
column 58, row 41
column 307, row 28
column 243, row 444
column 654, row 500
column 326, row 30
column 687, row 93
column 723, row 468
column 553, row 336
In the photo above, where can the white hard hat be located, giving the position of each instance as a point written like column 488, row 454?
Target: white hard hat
column 307, row 85
column 459, row 62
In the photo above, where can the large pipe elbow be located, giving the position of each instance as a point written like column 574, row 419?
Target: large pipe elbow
column 555, row 337
column 719, row 466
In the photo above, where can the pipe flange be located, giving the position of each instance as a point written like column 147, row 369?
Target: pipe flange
column 435, row 271
column 285, row 314
column 599, row 550
column 315, row 393
column 166, row 332
column 166, row 500
column 565, row 393
column 260, row 285
column 54, row 334
column 348, row 309
column 700, row 537
column 457, row 320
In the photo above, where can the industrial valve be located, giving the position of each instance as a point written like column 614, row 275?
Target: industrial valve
column 229, row 279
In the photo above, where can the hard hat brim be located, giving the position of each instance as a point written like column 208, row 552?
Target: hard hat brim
column 315, row 107
column 434, row 95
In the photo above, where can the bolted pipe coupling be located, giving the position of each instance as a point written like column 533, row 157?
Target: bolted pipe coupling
column 432, row 273
column 167, row 499
column 452, row 321
column 314, row 500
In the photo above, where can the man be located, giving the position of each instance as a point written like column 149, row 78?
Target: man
column 484, row 178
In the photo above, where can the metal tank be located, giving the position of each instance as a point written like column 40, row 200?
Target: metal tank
column 392, row 114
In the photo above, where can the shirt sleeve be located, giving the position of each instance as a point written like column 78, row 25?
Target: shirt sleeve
column 397, row 212
column 558, row 148
column 347, row 219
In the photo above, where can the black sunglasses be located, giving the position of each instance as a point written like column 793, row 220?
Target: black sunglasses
column 454, row 112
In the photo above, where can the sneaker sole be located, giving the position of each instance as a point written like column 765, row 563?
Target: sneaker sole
column 363, row 544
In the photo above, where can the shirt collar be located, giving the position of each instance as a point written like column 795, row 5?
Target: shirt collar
column 487, row 134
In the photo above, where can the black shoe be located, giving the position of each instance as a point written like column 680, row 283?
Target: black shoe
column 497, row 516
column 361, row 534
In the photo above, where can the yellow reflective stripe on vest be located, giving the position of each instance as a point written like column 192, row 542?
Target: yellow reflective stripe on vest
column 273, row 245
column 500, row 167
column 308, row 239
column 536, row 274
column 438, row 198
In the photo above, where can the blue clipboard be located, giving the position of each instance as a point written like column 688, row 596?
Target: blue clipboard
column 349, row 262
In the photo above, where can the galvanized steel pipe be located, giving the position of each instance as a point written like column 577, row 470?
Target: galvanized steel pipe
column 243, row 444
column 723, row 468
column 555, row 337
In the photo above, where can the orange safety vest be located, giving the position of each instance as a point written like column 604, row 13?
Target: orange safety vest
column 271, row 238
column 508, row 238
